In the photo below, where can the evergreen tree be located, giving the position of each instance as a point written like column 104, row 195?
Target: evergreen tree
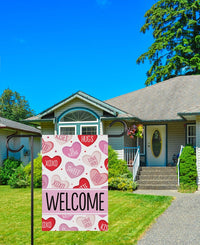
column 176, row 32
column 13, row 106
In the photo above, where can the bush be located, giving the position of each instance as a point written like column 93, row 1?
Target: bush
column 19, row 178
column 121, row 183
column 37, row 172
column 188, row 170
column 116, row 167
column 8, row 168
column 119, row 177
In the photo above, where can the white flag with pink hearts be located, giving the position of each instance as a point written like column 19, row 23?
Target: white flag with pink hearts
column 75, row 183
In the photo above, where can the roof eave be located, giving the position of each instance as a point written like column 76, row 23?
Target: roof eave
column 89, row 99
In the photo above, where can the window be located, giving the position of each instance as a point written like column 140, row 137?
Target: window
column 78, row 121
column 78, row 116
column 191, row 134
column 89, row 130
column 67, row 130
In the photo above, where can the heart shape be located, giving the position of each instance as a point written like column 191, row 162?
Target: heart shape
column 103, row 225
column 48, row 224
column 106, row 163
column 87, row 140
column 73, row 151
column 86, row 221
column 97, row 177
column 47, row 146
column 62, row 139
column 64, row 227
column 74, row 171
column 83, row 184
column 45, row 181
column 66, row 216
column 92, row 160
column 57, row 183
column 51, row 163
column 103, row 145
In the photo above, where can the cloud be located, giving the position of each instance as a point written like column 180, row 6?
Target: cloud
column 103, row 3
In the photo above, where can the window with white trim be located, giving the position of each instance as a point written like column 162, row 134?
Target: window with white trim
column 191, row 134
column 78, row 121
column 68, row 130
column 89, row 130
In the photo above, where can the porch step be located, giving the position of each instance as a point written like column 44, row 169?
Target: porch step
column 158, row 178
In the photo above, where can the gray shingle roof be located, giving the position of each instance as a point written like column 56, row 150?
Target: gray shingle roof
column 6, row 123
column 162, row 101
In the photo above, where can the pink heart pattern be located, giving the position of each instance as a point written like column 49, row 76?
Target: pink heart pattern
column 66, row 216
column 97, row 177
column 57, row 183
column 47, row 146
column 73, row 171
column 63, row 139
column 103, row 145
column 86, row 221
column 92, row 160
column 73, row 151
column 45, row 181
column 64, row 227
column 78, row 164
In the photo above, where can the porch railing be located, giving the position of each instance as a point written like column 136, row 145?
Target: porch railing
column 129, row 155
column 178, row 164
column 132, row 157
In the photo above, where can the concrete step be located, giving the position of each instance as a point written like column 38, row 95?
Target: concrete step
column 157, row 169
column 157, row 182
column 161, row 171
column 157, row 187
column 158, row 177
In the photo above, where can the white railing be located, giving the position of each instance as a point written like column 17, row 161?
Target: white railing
column 178, row 164
column 136, row 163
column 129, row 155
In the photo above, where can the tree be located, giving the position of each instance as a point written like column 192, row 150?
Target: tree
column 13, row 106
column 176, row 33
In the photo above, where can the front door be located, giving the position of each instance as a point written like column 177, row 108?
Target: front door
column 156, row 145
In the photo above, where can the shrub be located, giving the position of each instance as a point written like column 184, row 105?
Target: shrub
column 19, row 178
column 37, row 163
column 121, row 183
column 116, row 167
column 188, row 170
column 8, row 168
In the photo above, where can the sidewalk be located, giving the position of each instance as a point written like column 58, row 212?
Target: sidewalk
column 179, row 224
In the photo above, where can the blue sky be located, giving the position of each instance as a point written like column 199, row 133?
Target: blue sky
column 51, row 49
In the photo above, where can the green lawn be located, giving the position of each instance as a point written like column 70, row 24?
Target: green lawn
column 129, row 216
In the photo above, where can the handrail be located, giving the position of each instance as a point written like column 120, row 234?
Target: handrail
column 136, row 163
column 178, row 164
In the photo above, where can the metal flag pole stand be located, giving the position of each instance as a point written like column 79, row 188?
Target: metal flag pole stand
column 32, row 174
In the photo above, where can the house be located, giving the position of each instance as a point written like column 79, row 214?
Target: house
column 9, row 127
column 169, row 112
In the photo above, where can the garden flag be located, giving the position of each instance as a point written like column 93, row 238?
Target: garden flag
column 74, row 183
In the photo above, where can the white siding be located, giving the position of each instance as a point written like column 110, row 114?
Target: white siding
column 198, row 147
column 176, row 138
column 116, row 143
column 3, row 152
column 47, row 129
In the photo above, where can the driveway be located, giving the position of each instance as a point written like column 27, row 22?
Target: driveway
column 179, row 224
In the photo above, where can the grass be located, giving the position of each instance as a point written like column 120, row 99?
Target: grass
column 129, row 216
column 184, row 188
